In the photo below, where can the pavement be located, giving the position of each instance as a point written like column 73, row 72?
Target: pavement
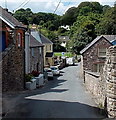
column 63, row 97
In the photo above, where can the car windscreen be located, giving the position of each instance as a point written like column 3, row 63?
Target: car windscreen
column 53, row 68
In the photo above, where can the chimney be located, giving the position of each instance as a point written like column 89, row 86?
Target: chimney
column 6, row 9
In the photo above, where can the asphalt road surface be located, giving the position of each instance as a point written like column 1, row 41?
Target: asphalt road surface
column 63, row 97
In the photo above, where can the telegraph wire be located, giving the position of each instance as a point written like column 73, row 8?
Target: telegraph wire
column 26, row 3
column 57, row 6
column 23, row 3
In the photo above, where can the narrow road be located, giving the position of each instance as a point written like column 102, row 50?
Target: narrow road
column 63, row 97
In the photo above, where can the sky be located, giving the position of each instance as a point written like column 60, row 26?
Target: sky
column 48, row 6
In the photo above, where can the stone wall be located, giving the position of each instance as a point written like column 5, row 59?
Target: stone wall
column 103, row 85
column 13, row 69
column 110, row 77
column 95, row 84
column 36, row 60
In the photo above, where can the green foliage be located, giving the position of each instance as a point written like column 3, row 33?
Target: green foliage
column 107, row 25
column 92, row 6
column 24, row 16
column 48, row 20
column 69, row 17
column 92, row 19
column 86, row 21
column 68, row 54
column 28, row 77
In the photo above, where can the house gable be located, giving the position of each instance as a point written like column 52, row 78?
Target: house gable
column 93, row 43
column 91, row 56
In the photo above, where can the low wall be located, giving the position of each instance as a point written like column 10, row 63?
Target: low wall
column 103, row 86
column 110, row 77
column 96, row 86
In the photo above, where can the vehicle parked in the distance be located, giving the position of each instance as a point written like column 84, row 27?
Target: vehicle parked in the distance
column 49, row 72
column 55, row 70
column 70, row 61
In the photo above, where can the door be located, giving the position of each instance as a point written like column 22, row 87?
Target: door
column 2, row 41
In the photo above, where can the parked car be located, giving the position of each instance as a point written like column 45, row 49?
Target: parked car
column 70, row 61
column 49, row 72
column 55, row 70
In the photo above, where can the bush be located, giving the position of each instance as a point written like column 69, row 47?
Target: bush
column 28, row 77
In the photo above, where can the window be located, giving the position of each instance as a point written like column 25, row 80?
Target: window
column 19, row 39
column 102, row 52
column 32, row 52
column 50, row 48
column 98, row 67
column 46, row 48
column 40, row 50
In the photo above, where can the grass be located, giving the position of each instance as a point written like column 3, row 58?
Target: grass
column 68, row 54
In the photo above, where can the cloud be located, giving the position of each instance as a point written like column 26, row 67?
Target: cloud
column 48, row 5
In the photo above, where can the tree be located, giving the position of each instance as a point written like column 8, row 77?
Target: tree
column 24, row 16
column 107, row 25
column 83, row 31
column 69, row 17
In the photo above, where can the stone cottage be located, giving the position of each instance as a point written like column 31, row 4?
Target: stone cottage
column 94, row 54
column 33, row 54
column 98, row 63
column 48, row 48
column 12, row 34
column 36, row 55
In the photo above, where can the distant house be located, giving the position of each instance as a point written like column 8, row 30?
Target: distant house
column 12, row 34
column 63, row 40
column 48, row 51
column 65, row 27
column 48, row 48
column 94, row 54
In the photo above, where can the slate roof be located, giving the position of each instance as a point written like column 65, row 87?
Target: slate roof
column 41, row 38
column 45, row 40
column 113, row 42
column 107, row 37
column 110, row 37
column 36, row 35
column 34, row 42
column 63, row 38
column 49, row 54
column 9, row 19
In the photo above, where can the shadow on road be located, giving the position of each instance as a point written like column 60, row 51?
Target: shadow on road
column 54, row 109
column 50, row 87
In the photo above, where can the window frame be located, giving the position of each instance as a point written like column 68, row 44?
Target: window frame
column 19, row 39
column 32, row 52
column 99, row 51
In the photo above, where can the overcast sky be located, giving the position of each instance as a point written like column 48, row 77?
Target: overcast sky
column 48, row 5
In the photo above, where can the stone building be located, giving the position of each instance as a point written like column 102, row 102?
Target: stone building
column 48, row 48
column 33, row 54
column 36, row 55
column 12, row 34
column 94, row 54
column 101, row 82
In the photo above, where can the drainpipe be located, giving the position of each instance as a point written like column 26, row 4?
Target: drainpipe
column 24, row 62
